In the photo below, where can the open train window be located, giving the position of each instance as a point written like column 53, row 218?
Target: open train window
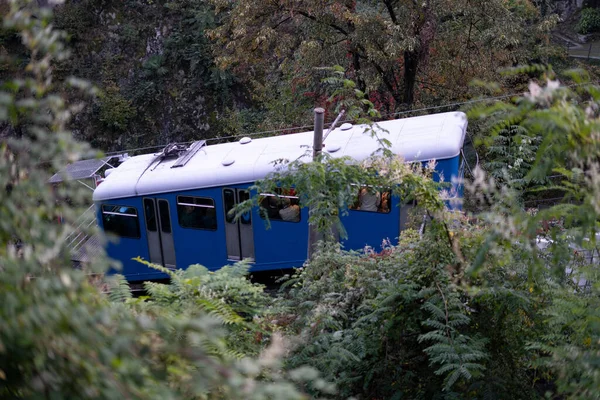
column 196, row 212
column 121, row 220
column 283, row 205
column 370, row 199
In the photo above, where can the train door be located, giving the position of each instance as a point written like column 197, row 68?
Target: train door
column 238, row 234
column 159, row 232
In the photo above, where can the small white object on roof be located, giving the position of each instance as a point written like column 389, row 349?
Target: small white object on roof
column 346, row 126
column 227, row 162
column 332, row 148
column 245, row 140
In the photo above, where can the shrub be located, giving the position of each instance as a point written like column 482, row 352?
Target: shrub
column 589, row 21
column 59, row 336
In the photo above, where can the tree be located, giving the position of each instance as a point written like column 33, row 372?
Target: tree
column 60, row 337
column 388, row 46
column 566, row 121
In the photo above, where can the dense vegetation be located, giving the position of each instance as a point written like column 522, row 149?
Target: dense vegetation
column 176, row 70
column 502, row 303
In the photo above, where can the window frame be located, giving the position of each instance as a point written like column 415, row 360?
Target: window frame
column 262, row 210
column 121, row 214
column 179, row 203
column 389, row 210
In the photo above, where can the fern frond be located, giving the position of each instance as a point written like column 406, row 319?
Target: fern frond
column 221, row 310
column 119, row 290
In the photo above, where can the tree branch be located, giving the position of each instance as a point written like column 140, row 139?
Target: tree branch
column 390, row 8
column 313, row 18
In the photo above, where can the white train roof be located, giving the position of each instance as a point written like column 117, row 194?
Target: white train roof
column 438, row 136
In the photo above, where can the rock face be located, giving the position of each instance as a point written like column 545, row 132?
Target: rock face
column 566, row 8
column 153, row 66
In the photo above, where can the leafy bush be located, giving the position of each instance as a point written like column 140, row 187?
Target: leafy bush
column 404, row 323
column 566, row 350
column 115, row 111
column 59, row 336
column 589, row 21
column 226, row 294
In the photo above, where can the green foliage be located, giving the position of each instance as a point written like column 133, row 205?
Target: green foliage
column 399, row 324
column 456, row 354
column 566, row 121
column 397, row 53
column 346, row 96
column 225, row 294
column 327, row 185
column 153, row 63
column 60, row 337
column 115, row 111
column 511, row 154
column 119, row 290
column 228, row 285
column 589, row 21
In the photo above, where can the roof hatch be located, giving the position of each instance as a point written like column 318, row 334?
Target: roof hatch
column 181, row 151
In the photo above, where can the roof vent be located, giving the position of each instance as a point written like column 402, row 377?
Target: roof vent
column 333, row 148
column 245, row 140
column 227, row 162
column 346, row 126
column 187, row 154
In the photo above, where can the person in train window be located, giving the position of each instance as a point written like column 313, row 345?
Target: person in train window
column 289, row 212
column 368, row 200
column 273, row 207
column 384, row 207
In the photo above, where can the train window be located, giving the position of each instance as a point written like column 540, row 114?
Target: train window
column 121, row 220
column 371, row 200
column 283, row 205
column 229, row 201
column 196, row 212
column 246, row 218
column 150, row 215
column 165, row 216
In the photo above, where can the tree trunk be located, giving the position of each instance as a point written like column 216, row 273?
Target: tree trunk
column 362, row 86
column 411, row 62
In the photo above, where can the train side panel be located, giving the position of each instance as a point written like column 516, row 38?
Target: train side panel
column 199, row 243
column 123, row 221
column 154, row 228
column 282, row 246
column 450, row 169
column 372, row 228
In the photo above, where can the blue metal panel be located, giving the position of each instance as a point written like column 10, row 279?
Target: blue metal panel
column 366, row 228
column 449, row 169
column 125, row 249
column 198, row 246
column 283, row 246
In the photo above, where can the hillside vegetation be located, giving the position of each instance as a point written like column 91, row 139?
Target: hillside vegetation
column 472, row 308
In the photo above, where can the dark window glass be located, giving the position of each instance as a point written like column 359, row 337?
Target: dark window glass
column 121, row 220
column 196, row 212
column 229, row 202
column 150, row 213
column 165, row 218
column 283, row 205
column 246, row 217
column 372, row 200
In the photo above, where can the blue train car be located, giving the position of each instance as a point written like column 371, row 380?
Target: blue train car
column 171, row 208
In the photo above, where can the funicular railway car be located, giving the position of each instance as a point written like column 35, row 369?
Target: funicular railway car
column 172, row 209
